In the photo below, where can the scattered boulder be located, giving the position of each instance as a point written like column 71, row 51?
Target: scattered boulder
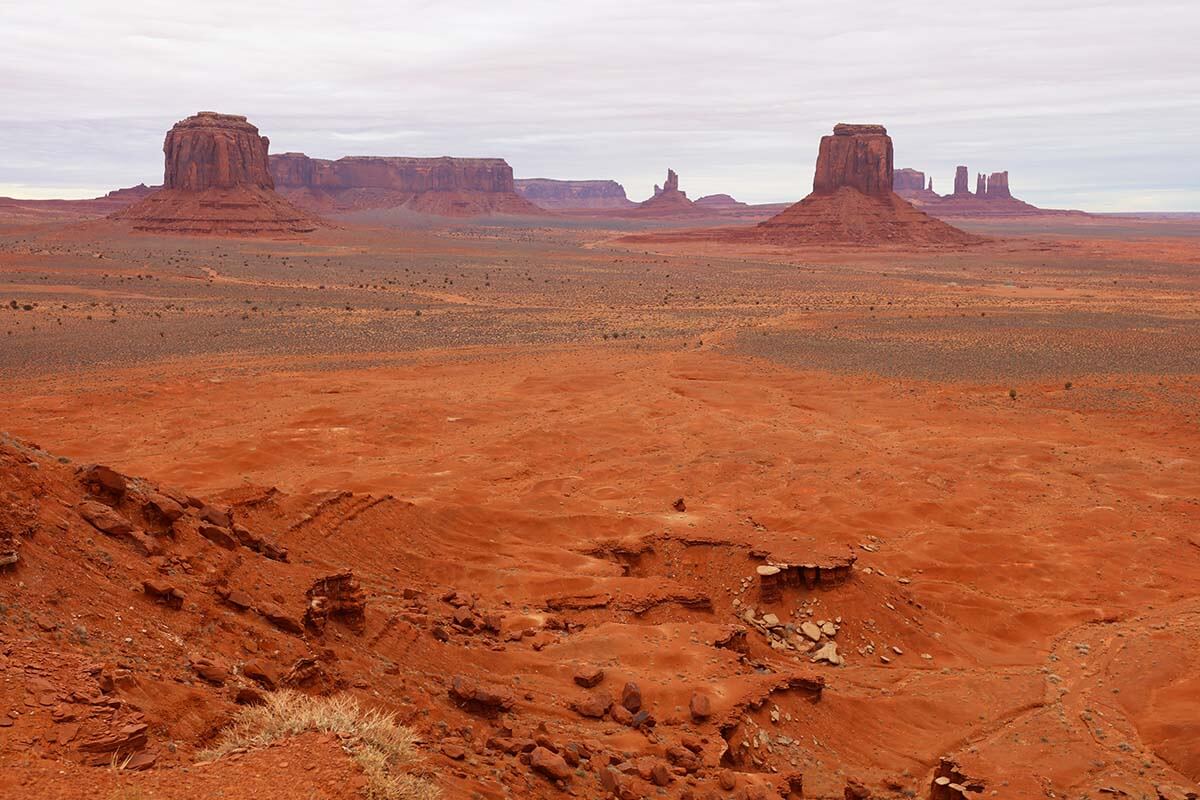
column 631, row 697
column 280, row 618
column 104, row 481
column 594, row 706
column 700, row 707
column 219, row 536
column 337, row 596
column 104, row 519
column 470, row 693
column 587, row 677
column 262, row 674
column 164, row 593
column 550, row 764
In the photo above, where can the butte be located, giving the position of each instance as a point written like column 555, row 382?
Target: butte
column 852, row 201
column 217, row 181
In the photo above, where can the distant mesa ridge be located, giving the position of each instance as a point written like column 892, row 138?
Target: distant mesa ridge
column 443, row 185
column 992, row 196
column 568, row 194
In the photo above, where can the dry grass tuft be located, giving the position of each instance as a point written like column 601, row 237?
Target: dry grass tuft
column 380, row 746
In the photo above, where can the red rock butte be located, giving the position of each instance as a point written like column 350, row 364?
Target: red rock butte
column 216, row 180
column 852, row 201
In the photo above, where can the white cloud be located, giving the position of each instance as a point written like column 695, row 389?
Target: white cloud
column 1086, row 103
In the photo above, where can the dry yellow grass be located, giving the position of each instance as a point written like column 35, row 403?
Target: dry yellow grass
column 382, row 747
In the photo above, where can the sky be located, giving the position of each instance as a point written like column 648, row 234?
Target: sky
column 1088, row 104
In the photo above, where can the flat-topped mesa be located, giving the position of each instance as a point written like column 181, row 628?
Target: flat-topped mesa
column 565, row 194
column 215, row 151
column 960, row 180
column 441, row 186
column 997, row 186
column 908, row 180
column 855, row 156
column 397, row 173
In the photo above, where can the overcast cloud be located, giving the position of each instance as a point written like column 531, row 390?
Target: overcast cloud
column 1089, row 104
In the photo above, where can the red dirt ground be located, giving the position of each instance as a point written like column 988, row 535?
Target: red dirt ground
column 501, row 472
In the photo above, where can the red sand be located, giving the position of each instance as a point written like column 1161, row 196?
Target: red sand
column 1021, row 599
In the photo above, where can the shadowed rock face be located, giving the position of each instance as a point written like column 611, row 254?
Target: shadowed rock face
column 960, row 180
column 997, row 185
column 855, row 156
column 215, row 151
column 396, row 173
column 908, row 180
column 549, row 193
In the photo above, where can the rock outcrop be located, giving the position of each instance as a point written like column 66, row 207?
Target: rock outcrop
column 909, row 180
column 961, row 177
column 997, row 186
column 556, row 194
column 980, row 185
column 215, row 151
column 216, row 181
column 852, row 201
column 459, row 187
column 720, row 202
column 857, row 157
column 668, row 200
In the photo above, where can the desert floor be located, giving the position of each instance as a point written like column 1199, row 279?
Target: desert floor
column 1003, row 441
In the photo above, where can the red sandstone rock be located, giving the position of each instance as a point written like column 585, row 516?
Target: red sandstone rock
column 855, row 156
column 960, row 181
column 554, row 194
column 338, row 596
column 443, row 186
column 217, row 180
column 980, row 185
column 852, row 200
column 549, row 764
column 668, row 201
column 997, row 186
column 907, row 179
column 215, row 151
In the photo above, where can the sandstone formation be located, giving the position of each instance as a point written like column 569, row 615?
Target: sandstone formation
column 458, row 187
column 216, row 181
column 668, row 200
column 960, row 181
column 857, row 157
column 997, row 186
column 852, row 201
column 556, row 194
column 980, row 185
column 908, row 179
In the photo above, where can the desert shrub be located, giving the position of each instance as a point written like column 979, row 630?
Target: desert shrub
column 380, row 746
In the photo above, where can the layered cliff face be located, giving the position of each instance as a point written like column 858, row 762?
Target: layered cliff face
column 997, row 186
column 855, row 156
column 216, row 180
column 852, row 201
column 961, row 178
column 908, row 180
column 556, row 195
column 215, row 151
column 442, row 186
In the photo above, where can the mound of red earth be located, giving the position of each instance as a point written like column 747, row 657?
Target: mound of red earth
column 452, row 187
column 555, row 194
column 852, row 201
column 216, row 181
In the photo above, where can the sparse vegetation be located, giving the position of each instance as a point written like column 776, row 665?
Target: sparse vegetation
column 380, row 745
